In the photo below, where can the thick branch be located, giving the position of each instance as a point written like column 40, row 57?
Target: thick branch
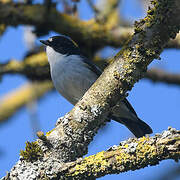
column 124, row 33
column 132, row 154
column 36, row 67
column 69, row 140
column 79, row 126
column 155, row 75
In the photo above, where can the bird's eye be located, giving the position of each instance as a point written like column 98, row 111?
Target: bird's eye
column 50, row 39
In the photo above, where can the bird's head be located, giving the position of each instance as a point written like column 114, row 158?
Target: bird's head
column 62, row 45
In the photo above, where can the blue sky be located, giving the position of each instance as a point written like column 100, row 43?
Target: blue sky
column 155, row 103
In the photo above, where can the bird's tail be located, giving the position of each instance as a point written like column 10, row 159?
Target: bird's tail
column 139, row 128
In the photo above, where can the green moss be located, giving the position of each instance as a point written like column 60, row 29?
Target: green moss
column 32, row 151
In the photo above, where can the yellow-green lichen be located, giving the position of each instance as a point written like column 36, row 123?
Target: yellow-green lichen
column 144, row 154
column 32, row 151
column 159, row 14
column 97, row 163
column 49, row 132
column 35, row 60
column 13, row 65
column 129, row 156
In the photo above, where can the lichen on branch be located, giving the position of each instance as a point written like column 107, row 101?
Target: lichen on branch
column 79, row 126
column 70, row 138
column 131, row 154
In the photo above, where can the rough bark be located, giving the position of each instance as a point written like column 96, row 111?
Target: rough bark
column 69, row 140
column 78, row 127
column 131, row 154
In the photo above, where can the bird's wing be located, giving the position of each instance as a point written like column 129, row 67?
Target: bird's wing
column 92, row 66
column 98, row 72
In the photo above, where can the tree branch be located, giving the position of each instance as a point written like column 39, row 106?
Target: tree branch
column 124, row 33
column 69, row 140
column 158, row 75
column 85, row 33
column 155, row 75
column 132, row 154
column 35, row 67
column 79, row 126
column 15, row 100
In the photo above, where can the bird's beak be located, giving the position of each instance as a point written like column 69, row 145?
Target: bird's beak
column 45, row 42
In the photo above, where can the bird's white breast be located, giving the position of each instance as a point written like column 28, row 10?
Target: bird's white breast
column 70, row 75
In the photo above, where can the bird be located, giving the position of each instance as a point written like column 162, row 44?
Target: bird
column 73, row 74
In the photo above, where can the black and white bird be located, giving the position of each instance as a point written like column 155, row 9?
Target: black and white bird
column 73, row 74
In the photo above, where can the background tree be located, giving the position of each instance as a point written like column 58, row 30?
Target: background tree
column 108, row 28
